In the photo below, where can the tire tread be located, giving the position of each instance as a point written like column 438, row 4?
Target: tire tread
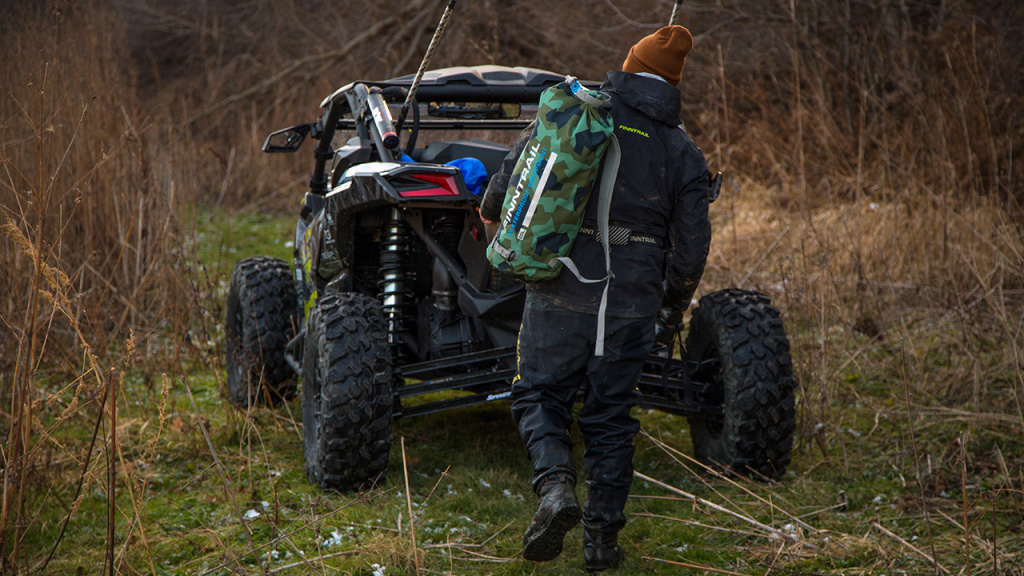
column 756, row 436
column 262, row 314
column 350, row 360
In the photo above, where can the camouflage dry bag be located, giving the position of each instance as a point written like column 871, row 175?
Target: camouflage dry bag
column 550, row 185
column 551, row 182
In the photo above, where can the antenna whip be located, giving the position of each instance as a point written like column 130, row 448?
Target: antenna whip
column 426, row 61
column 675, row 13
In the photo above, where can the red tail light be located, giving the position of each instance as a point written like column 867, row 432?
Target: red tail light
column 443, row 185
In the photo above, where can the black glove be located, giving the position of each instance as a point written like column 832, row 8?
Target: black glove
column 670, row 322
column 670, row 317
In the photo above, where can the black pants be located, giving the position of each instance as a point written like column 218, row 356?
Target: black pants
column 555, row 358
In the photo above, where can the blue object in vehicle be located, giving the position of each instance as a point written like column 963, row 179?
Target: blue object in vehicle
column 473, row 173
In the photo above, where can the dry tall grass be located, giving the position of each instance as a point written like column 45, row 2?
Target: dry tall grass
column 874, row 99
column 872, row 149
column 86, row 250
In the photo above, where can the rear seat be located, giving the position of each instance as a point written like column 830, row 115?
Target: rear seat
column 489, row 153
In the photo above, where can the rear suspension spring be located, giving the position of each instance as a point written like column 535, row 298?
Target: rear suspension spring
column 395, row 277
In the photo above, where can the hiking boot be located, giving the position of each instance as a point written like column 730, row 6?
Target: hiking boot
column 601, row 551
column 558, row 512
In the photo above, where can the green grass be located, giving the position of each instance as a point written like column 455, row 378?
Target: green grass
column 223, row 238
column 245, row 506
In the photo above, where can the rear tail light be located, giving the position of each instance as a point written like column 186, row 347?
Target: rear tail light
column 434, row 185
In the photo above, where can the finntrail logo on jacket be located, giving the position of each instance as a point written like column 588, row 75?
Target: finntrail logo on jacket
column 633, row 130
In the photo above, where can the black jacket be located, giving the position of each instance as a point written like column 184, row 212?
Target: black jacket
column 661, row 192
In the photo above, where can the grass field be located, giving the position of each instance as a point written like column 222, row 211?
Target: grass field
column 884, row 479
column 872, row 152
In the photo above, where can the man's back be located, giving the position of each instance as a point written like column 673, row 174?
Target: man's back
column 660, row 192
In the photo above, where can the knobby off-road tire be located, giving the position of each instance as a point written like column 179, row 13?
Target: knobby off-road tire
column 262, row 315
column 753, row 381
column 347, row 398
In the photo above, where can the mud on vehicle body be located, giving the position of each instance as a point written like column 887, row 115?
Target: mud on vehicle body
column 394, row 297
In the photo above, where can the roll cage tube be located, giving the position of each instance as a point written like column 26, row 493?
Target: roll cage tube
column 414, row 132
column 371, row 120
column 324, row 152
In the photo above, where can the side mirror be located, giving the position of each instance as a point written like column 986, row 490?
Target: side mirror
column 287, row 140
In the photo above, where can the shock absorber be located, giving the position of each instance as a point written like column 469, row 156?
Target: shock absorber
column 394, row 273
column 446, row 231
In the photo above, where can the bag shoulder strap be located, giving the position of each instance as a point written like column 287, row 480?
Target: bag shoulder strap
column 604, row 203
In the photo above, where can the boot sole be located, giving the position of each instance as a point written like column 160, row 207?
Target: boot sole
column 546, row 544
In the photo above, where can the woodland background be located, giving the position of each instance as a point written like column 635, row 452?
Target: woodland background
column 872, row 150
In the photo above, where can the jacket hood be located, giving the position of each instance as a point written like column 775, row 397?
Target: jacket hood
column 653, row 98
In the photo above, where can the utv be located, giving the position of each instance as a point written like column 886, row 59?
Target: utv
column 391, row 298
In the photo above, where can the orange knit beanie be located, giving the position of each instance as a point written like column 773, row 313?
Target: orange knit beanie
column 662, row 53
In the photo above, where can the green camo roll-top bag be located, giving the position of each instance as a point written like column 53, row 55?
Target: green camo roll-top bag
column 550, row 185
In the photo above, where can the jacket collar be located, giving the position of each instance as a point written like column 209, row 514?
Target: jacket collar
column 654, row 98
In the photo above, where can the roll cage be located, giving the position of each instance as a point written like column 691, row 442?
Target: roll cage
column 358, row 104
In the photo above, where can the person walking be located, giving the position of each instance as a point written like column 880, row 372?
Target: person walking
column 661, row 235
